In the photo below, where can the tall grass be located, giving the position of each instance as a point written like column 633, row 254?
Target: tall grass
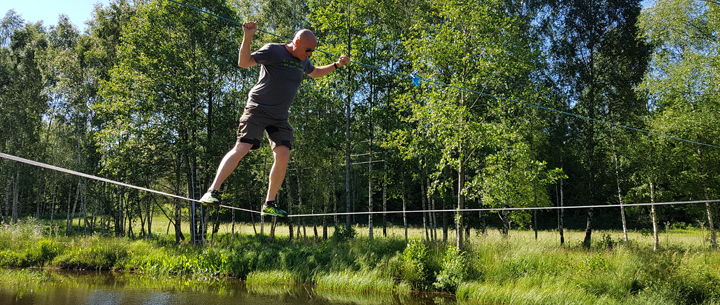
column 360, row 281
column 514, row 269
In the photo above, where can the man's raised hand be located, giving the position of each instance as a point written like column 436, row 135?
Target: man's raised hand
column 250, row 27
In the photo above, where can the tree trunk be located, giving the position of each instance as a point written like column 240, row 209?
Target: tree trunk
column 506, row 216
column 324, row 218
column 304, row 231
column 535, row 223
column 347, row 127
column 619, row 192
column 483, row 225
column 587, row 242
column 52, row 206
column 532, row 156
column 272, row 227
column 300, row 205
column 656, row 244
column 404, row 196
column 232, row 228
column 128, row 213
column 315, row 232
column 178, row 222
column 290, row 203
column 2, row 214
column 143, row 217
column 370, row 191
column 713, row 240
column 149, row 215
column 561, row 214
column 84, row 210
column 335, row 207
column 384, row 217
column 16, row 197
column 67, row 215
column 423, row 201
column 72, row 215
column 262, row 225
column 461, row 203
column 41, row 202
column 433, row 219
column 445, row 223
column 8, row 187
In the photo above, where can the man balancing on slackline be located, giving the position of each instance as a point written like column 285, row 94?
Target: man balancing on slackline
column 281, row 71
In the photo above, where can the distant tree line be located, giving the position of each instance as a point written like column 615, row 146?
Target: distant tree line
column 150, row 94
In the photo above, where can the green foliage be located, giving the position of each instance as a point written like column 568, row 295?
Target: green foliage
column 414, row 267
column 343, row 233
column 606, row 242
column 145, row 91
column 43, row 252
column 453, row 270
column 360, row 281
column 93, row 257
column 273, row 277
column 487, row 271
column 24, row 229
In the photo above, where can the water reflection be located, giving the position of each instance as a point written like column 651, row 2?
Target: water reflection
column 75, row 288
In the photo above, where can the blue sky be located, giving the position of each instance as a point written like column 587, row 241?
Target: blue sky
column 78, row 10
column 48, row 10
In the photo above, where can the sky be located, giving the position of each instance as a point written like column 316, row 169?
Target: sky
column 78, row 10
column 49, row 10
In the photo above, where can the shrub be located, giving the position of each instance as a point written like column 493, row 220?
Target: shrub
column 414, row 261
column 24, row 229
column 606, row 242
column 43, row 252
column 96, row 257
column 453, row 270
column 10, row 258
column 343, row 233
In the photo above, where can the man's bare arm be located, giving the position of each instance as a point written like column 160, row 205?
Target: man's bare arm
column 244, row 58
column 325, row 70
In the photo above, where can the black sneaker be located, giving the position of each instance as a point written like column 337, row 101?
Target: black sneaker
column 270, row 208
column 211, row 198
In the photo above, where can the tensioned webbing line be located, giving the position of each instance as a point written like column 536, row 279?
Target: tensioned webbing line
column 63, row 170
column 512, row 209
column 416, row 81
column 72, row 172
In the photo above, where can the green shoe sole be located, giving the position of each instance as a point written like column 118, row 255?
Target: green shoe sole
column 273, row 213
column 211, row 204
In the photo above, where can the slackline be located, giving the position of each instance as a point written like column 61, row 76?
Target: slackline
column 63, row 170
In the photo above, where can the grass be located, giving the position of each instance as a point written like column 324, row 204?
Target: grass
column 514, row 269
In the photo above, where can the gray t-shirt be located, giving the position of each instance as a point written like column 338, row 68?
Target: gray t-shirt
column 280, row 76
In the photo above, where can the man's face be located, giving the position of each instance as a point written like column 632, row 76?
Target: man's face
column 305, row 48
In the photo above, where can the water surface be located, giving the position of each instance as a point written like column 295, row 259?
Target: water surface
column 107, row 288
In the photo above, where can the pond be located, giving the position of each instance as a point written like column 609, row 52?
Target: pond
column 77, row 288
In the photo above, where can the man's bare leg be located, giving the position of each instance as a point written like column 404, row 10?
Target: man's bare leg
column 277, row 173
column 229, row 163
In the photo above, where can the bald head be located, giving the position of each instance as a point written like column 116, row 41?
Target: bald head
column 303, row 45
column 305, row 35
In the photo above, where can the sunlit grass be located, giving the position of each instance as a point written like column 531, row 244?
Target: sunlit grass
column 360, row 281
column 674, row 238
column 514, row 269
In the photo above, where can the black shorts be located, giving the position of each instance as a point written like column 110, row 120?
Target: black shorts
column 255, row 121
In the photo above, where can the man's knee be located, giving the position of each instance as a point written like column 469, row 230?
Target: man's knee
column 241, row 147
column 281, row 152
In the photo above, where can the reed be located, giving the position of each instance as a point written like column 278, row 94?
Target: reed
column 492, row 268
